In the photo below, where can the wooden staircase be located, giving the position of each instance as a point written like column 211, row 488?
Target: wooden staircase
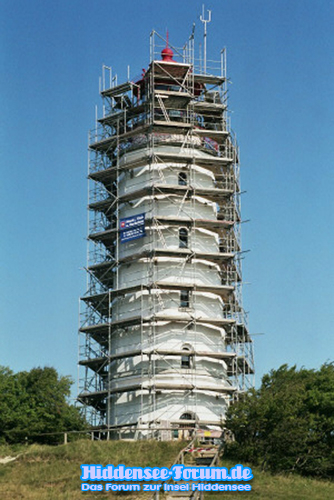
column 189, row 456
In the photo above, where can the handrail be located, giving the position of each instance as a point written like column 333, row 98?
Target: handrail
column 195, row 495
column 179, row 459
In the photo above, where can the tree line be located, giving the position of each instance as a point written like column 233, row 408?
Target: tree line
column 287, row 425
column 35, row 402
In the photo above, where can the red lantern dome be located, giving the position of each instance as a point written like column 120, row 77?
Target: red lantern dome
column 167, row 53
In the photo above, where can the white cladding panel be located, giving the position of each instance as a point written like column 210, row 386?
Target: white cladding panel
column 170, row 205
column 169, row 369
column 172, row 271
column 202, row 305
column 180, row 151
column 169, row 335
column 166, row 173
column 169, row 406
column 200, row 240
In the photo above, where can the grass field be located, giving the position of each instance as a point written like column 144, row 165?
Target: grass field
column 46, row 472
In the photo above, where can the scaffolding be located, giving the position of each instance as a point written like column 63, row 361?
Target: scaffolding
column 162, row 318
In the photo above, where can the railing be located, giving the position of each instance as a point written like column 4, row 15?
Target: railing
column 179, row 460
column 194, row 495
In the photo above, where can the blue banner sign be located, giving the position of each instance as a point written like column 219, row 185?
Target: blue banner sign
column 132, row 228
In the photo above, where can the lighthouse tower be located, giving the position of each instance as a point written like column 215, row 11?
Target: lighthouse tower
column 164, row 341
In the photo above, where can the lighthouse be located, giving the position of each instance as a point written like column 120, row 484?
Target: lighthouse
column 164, row 339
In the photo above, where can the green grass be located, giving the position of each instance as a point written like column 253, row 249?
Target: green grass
column 268, row 486
column 46, row 472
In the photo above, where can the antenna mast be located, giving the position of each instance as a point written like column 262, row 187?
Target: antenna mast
column 205, row 21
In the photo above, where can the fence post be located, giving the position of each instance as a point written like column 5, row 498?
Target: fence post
column 65, row 437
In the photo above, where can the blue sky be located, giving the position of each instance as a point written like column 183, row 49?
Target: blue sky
column 280, row 60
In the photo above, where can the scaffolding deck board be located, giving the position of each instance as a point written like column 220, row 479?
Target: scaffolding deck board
column 97, row 363
column 212, row 194
column 209, row 79
column 104, row 328
column 181, row 252
column 177, row 386
column 118, row 89
column 220, row 290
